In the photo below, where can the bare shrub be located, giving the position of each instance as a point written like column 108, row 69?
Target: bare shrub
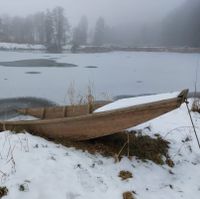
column 196, row 105
column 78, row 98
column 71, row 92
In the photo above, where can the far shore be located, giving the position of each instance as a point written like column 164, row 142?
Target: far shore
column 69, row 48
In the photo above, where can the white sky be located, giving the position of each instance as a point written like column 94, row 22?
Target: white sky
column 114, row 11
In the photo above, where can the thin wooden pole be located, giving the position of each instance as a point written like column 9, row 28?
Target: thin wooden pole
column 186, row 102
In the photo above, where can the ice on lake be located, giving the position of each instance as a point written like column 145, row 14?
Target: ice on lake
column 116, row 73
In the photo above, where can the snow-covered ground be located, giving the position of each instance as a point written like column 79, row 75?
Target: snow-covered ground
column 116, row 73
column 15, row 46
column 48, row 170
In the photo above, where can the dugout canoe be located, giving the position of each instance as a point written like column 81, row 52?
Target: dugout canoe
column 62, row 111
column 96, row 125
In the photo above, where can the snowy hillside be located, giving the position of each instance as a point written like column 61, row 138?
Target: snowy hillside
column 31, row 167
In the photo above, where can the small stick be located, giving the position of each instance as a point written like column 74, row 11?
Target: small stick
column 128, row 145
column 118, row 155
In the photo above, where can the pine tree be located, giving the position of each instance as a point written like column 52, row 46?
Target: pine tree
column 56, row 27
column 80, row 32
column 99, row 34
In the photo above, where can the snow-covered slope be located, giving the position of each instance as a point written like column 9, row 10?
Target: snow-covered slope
column 48, row 170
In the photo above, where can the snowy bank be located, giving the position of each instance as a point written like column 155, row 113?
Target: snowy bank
column 15, row 46
column 48, row 170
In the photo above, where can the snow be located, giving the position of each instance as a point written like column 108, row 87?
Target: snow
column 127, row 102
column 49, row 170
column 15, row 46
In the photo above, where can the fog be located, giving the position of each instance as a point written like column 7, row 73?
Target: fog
column 124, row 23
column 114, row 11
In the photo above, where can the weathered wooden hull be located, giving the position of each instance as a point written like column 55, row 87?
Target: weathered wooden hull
column 97, row 124
column 62, row 111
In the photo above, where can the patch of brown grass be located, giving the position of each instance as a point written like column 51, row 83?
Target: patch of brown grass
column 196, row 106
column 128, row 195
column 143, row 147
column 3, row 191
column 124, row 175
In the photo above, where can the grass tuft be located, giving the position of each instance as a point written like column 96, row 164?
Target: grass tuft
column 3, row 191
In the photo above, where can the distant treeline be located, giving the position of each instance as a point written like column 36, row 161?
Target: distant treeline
column 48, row 28
column 181, row 28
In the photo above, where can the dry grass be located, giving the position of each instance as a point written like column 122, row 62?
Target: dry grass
column 3, row 191
column 142, row 147
column 128, row 195
column 76, row 97
column 196, row 106
column 124, row 175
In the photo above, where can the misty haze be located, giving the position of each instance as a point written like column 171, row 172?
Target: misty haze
column 75, row 56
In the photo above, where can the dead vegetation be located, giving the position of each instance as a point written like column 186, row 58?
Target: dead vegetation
column 124, row 175
column 128, row 195
column 196, row 106
column 3, row 191
column 23, row 187
column 141, row 146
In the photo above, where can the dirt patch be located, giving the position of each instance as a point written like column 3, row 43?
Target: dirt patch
column 3, row 191
column 128, row 195
column 143, row 147
column 124, row 175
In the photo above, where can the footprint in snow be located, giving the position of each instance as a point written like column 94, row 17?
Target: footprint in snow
column 86, row 180
column 102, row 186
column 71, row 195
column 90, row 183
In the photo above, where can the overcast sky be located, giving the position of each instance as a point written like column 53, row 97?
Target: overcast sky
column 114, row 11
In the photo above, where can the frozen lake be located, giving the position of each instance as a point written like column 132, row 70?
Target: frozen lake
column 110, row 74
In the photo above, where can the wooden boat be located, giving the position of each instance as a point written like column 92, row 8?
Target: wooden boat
column 62, row 111
column 95, row 125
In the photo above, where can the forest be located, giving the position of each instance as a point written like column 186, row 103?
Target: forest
column 180, row 28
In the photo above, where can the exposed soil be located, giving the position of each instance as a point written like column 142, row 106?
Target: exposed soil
column 3, row 191
column 143, row 147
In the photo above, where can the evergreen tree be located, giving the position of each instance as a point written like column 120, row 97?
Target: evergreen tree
column 1, row 30
column 60, row 28
column 99, row 33
column 80, row 32
column 49, row 31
